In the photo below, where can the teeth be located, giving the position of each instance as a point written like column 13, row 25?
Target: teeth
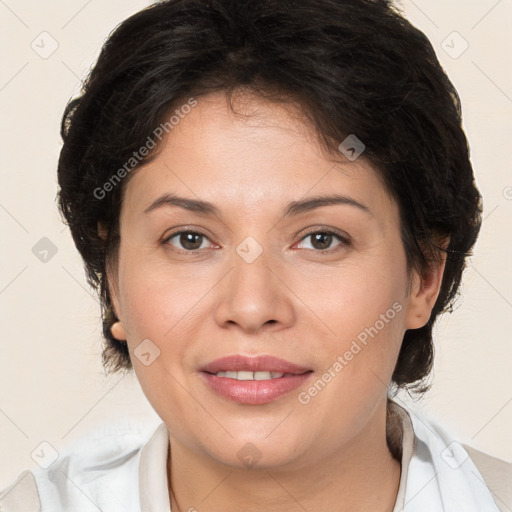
column 244, row 375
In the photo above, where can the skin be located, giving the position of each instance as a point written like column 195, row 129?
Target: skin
column 297, row 301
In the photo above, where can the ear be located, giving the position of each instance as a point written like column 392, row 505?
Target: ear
column 117, row 330
column 424, row 292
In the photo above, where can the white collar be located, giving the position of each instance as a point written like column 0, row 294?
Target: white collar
column 440, row 474
column 437, row 473
column 117, row 468
column 153, row 488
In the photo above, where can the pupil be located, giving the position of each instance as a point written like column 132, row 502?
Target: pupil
column 324, row 238
column 320, row 240
column 187, row 240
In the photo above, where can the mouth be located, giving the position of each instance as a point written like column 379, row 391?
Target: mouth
column 247, row 375
column 253, row 380
column 259, row 366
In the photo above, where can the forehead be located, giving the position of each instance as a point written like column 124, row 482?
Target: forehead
column 263, row 154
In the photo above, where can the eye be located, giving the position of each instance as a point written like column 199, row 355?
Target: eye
column 189, row 240
column 322, row 240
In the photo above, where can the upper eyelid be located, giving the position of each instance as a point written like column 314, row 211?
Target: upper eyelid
column 342, row 237
column 166, row 238
column 309, row 232
column 332, row 231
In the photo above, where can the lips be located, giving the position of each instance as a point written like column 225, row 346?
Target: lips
column 265, row 363
column 253, row 380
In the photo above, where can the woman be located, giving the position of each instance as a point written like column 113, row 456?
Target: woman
column 275, row 202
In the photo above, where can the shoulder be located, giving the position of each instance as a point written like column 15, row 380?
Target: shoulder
column 21, row 495
column 497, row 474
column 467, row 478
column 97, row 469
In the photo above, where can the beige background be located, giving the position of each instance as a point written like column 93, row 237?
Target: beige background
column 52, row 386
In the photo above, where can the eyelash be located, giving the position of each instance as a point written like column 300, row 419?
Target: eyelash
column 345, row 241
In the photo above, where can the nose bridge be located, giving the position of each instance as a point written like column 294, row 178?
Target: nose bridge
column 252, row 263
column 253, row 295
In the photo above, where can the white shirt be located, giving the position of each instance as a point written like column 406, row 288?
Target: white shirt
column 122, row 468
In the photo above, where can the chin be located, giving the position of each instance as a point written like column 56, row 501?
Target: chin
column 255, row 453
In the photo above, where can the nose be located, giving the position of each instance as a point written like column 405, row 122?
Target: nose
column 254, row 296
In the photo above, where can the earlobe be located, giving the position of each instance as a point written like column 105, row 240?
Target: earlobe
column 423, row 295
column 118, row 331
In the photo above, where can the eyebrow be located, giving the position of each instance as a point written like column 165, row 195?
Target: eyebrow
column 292, row 209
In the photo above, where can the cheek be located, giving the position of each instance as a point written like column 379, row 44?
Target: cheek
column 356, row 296
column 153, row 299
column 141, row 308
column 363, row 313
column 155, row 308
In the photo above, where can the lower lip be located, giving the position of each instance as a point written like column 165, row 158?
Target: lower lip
column 254, row 392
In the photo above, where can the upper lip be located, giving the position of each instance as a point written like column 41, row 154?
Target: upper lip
column 263, row 363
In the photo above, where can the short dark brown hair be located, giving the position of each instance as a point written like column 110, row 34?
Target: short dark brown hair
column 351, row 66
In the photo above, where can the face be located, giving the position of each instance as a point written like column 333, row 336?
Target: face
column 262, row 270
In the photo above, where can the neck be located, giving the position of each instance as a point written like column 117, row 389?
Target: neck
column 359, row 477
